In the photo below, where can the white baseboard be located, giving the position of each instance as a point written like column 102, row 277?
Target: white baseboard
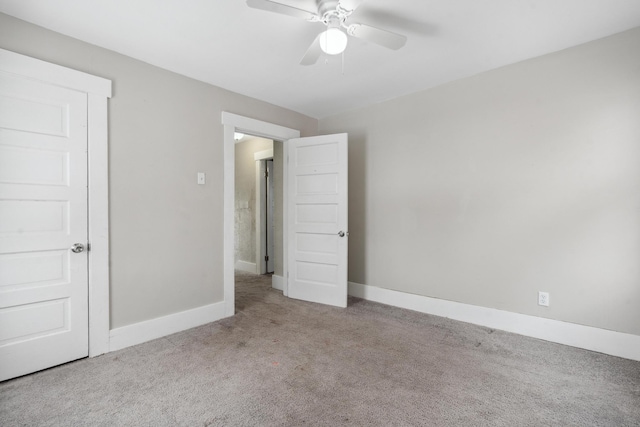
column 601, row 340
column 249, row 267
column 138, row 333
column 277, row 282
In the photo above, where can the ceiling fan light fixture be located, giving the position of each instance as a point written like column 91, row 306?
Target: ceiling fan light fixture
column 333, row 41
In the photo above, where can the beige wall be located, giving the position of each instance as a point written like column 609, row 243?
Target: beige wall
column 491, row 188
column 166, row 231
column 245, row 214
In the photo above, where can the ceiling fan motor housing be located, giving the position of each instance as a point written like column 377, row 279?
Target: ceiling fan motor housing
column 325, row 6
column 332, row 14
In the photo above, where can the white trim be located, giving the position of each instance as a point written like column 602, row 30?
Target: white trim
column 98, row 173
column 571, row 334
column 228, row 219
column 148, row 330
column 277, row 282
column 249, row 267
column 235, row 123
column 285, row 217
column 37, row 69
column 258, row 127
column 264, row 154
column 98, row 90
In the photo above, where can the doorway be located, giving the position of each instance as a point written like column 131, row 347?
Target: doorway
column 234, row 123
column 314, row 193
column 257, row 248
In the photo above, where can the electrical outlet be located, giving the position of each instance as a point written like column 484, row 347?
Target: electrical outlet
column 543, row 298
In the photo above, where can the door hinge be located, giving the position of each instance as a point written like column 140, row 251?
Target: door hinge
column 266, row 173
column 266, row 257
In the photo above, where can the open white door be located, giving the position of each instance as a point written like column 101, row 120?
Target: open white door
column 318, row 219
column 43, row 213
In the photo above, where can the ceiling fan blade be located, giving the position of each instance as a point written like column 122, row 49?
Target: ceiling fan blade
column 313, row 53
column 350, row 5
column 378, row 36
column 283, row 9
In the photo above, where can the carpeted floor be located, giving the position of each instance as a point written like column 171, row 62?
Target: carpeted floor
column 287, row 362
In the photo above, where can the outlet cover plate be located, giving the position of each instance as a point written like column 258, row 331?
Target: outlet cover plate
column 543, row 299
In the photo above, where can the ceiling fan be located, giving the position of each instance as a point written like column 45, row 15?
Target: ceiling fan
column 333, row 14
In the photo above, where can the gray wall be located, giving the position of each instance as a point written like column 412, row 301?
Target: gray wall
column 245, row 214
column 166, row 231
column 491, row 188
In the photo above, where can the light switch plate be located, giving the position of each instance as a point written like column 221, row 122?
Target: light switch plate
column 201, row 178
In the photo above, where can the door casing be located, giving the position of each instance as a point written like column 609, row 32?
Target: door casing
column 98, row 91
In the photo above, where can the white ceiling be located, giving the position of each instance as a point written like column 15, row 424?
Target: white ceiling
column 256, row 53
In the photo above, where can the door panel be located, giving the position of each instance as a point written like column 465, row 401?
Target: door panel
column 20, row 165
column 29, row 321
column 317, row 206
column 43, row 212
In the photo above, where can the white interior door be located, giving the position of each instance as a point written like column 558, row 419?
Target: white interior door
column 318, row 219
column 43, row 213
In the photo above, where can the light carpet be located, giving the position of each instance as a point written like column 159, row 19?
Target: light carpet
column 285, row 362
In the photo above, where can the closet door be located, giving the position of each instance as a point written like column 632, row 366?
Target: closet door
column 43, row 226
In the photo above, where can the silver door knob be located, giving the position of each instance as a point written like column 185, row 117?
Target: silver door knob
column 77, row 248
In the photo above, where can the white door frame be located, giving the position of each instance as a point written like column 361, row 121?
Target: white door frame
column 98, row 90
column 235, row 123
